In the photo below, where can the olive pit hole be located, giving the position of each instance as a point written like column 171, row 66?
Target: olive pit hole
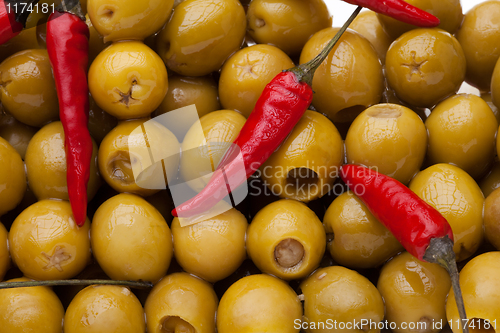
column 120, row 167
column 175, row 324
column 480, row 325
column 302, row 179
column 385, row 112
column 289, row 253
column 259, row 23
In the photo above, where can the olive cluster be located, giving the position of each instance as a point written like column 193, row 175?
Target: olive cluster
column 301, row 252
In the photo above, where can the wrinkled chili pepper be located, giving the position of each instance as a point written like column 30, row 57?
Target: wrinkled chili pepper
column 12, row 22
column 278, row 109
column 420, row 228
column 67, row 45
column 399, row 10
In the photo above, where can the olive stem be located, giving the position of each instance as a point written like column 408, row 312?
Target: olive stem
column 440, row 251
column 305, row 72
column 75, row 282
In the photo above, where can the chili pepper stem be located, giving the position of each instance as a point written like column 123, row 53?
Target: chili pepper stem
column 305, row 72
column 73, row 7
column 440, row 251
column 74, row 282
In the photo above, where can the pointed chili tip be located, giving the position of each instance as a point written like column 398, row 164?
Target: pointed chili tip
column 174, row 213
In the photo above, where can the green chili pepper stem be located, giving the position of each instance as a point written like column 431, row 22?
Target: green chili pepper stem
column 305, row 72
column 22, row 284
column 440, row 251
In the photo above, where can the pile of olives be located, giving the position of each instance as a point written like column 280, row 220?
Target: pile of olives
column 301, row 253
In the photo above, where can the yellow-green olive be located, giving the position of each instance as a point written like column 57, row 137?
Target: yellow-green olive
column 286, row 239
column 480, row 287
column 27, row 87
column 46, row 164
column 424, row 66
column 46, row 244
column 201, row 35
column 349, row 80
column 18, row 135
column 287, row 24
column 459, row 199
column 492, row 218
column 181, row 303
column 245, row 75
column 128, row 80
column 30, row 310
column 391, row 138
column 259, row 303
column 130, row 239
column 491, row 181
column 368, row 25
column 414, row 293
column 495, row 88
column 100, row 122
column 357, row 239
column 4, row 251
column 128, row 19
column 306, row 164
column 342, row 297
column 488, row 98
column 96, row 41
column 102, row 308
column 479, row 36
column 462, row 131
column 12, row 177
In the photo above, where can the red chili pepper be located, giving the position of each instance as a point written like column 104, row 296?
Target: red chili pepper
column 399, row 10
column 67, row 45
column 278, row 109
column 420, row 228
column 9, row 26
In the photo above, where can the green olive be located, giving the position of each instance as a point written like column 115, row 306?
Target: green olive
column 18, row 135
column 201, row 35
column 181, row 303
column 100, row 122
column 46, row 164
column 424, row 66
column 102, row 308
column 462, row 131
column 459, row 199
column 306, row 164
column 27, row 87
column 391, row 138
column 368, row 25
column 12, row 177
column 357, row 239
column 4, row 251
column 495, row 88
column 492, row 218
column 96, row 41
column 287, row 24
column 488, row 98
column 259, row 303
column 286, row 239
column 491, row 181
column 414, row 293
column 349, row 80
column 339, row 295
column 479, row 36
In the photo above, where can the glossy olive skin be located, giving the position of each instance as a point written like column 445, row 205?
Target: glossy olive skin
column 128, row 80
column 424, row 66
column 102, row 308
column 212, row 249
column 367, row 24
column 96, row 41
column 46, row 164
column 201, row 151
column 488, row 98
column 272, row 229
column 492, row 218
column 120, row 19
column 343, row 295
column 27, row 310
column 414, row 292
column 462, row 131
column 480, row 287
column 459, row 199
column 246, row 73
column 449, row 13
column 306, row 164
column 359, row 239
column 335, row 89
column 12, row 177
column 491, row 181
column 116, row 163
column 18, row 135
column 391, row 138
column 4, row 251
column 495, row 86
column 287, row 24
column 27, row 87
column 184, row 301
column 100, row 122
column 258, row 303
column 46, row 244
column 116, row 235
column 201, row 35
column 479, row 36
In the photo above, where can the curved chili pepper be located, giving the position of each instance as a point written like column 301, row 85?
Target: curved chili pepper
column 278, row 109
column 67, row 45
column 399, row 10
column 420, row 228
